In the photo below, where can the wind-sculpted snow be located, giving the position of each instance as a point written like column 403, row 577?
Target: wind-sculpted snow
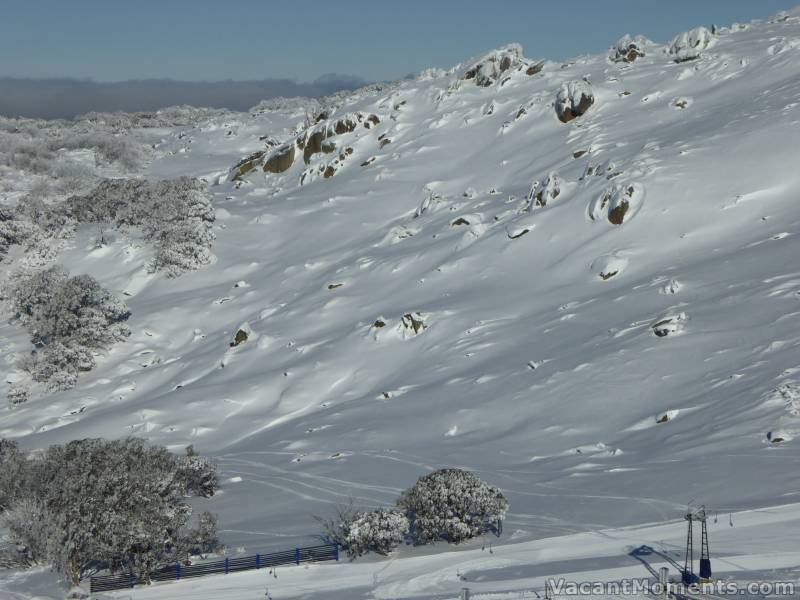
column 422, row 307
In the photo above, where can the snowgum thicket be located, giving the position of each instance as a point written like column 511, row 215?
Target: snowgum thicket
column 358, row 532
column 69, row 319
column 450, row 505
column 176, row 215
column 94, row 504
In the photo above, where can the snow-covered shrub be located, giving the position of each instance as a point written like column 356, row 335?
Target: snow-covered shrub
column 357, row 532
column 690, row 44
column 175, row 214
column 116, row 503
column 378, row 531
column 110, row 147
column 69, row 318
column 453, row 505
column 628, row 49
column 573, row 99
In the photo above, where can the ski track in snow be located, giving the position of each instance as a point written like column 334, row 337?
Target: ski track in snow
column 601, row 375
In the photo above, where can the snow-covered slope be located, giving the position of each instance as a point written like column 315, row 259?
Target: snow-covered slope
column 601, row 374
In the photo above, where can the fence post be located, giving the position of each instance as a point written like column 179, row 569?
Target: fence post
column 337, row 552
column 177, row 571
column 226, row 565
column 297, row 555
column 133, row 580
column 258, row 561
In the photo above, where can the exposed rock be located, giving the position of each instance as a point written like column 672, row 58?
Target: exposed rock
column 379, row 323
column 246, row 165
column 385, row 142
column 517, row 233
column 689, row 45
column 368, row 162
column 628, row 49
column 535, row 68
column 333, row 286
column 579, row 153
column 313, row 144
column 573, row 100
column 280, row 160
column 618, row 203
column 669, row 325
column 328, row 172
column 666, row 416
column 413, row 322
column 608, row 266
column 240, row 338
column 459, row 221
column 541, row 194
column 488, row 69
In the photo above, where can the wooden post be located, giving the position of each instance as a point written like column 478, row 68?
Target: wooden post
column 297, row 555
column 177, row 571
column 226, row 565
column 258, row 561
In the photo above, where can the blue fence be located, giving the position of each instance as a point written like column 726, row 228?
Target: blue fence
column 229, row 565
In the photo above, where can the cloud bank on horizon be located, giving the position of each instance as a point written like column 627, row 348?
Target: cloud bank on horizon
column 55, row 98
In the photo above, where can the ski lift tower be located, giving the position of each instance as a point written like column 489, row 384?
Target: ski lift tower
column 697, row 515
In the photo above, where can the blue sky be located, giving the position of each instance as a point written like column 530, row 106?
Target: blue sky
column 208, row 40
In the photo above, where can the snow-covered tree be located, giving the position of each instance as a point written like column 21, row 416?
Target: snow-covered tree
column 378, row 531
column 116, row 503
column 12, row 473
column 198, row 473
column 452, row 505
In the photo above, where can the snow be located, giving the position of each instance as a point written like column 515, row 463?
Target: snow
column 533, row 370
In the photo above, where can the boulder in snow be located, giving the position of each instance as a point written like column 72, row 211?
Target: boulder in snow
column 628, row 49
column 544, row 192
column 608, row 266
column 669, row 324
column 689, row 45
column 618, row 204
column 242, row 335
column 573, row 100
column 413, row 322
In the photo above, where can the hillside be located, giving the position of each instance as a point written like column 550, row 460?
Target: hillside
column 601, row 317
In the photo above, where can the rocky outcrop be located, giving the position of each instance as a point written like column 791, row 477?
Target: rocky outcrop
column 246, row 165
column 628, row 49
column 689, row 45
column 573, row 100
column 280, row 160
column 497, row 65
